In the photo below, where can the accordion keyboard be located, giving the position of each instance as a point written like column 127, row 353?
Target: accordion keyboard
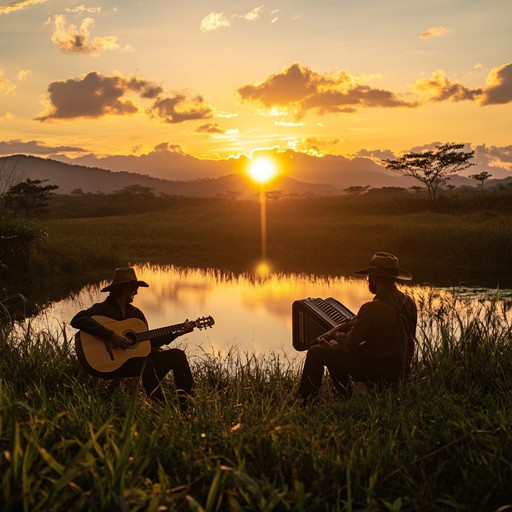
column 313, row 317
column 336, row 312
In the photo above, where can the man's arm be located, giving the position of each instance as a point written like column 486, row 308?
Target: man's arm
column 358, row 334
column 337, row 336
column 83, row 321
column 166, row 339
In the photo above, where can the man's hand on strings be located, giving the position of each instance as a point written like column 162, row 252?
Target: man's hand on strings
column 120, row 341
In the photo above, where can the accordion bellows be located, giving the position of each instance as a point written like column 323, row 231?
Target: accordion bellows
column 313, row 317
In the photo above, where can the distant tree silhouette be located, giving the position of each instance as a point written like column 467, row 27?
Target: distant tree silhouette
column 274, row 195
column 29, row 197
column 451, row 188
column 356, row 190
column 481, row 177
column 432, row 167
column 135, row 191
column 383, row 191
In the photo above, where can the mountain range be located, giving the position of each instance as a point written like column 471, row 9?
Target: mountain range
column 311, row 176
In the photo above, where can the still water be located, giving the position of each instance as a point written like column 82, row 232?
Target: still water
column 252, row 314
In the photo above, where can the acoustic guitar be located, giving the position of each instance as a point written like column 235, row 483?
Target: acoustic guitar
column 101, row 356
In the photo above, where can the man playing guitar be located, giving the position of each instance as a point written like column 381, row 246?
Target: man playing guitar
column 152, row 364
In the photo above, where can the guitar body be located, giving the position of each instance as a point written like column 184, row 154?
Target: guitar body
column 101, row 357
column 93, row 353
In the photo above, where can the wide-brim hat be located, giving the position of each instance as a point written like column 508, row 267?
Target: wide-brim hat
column 123, row 276
column 387, row 265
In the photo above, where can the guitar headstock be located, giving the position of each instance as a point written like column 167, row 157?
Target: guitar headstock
column 204, row 322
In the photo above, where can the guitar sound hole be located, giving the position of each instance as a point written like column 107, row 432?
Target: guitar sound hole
column 132, row 338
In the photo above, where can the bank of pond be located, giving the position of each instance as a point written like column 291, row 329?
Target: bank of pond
column 441, row 441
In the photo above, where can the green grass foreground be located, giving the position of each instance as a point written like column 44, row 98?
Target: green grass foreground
column 441, row 442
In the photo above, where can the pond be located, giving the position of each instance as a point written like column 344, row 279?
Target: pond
column 252, row 314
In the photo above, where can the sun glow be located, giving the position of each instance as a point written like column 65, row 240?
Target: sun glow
column 262, row 169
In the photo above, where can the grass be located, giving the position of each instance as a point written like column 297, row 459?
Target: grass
column 464, row 241
column 441, row 442
column 322, row 235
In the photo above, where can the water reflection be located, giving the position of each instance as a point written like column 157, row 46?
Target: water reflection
column 252, row 314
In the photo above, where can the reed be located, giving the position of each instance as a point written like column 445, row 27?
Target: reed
column 443, row 441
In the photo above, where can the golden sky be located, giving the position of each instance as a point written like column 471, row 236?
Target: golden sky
column 214, row 79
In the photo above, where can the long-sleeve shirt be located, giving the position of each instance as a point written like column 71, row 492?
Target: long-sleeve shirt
column 110, row 308
column 385, row 329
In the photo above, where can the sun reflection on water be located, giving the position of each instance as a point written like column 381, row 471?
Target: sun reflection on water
column 252, row 312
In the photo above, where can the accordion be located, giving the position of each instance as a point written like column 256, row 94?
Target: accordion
column 313, row 317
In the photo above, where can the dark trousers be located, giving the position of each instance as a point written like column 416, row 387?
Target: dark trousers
column 155, row 367
column 341, row 365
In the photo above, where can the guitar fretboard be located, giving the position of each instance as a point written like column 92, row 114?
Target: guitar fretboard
column 155, row 333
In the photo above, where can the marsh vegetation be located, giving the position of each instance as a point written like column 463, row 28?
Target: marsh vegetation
column 441, row 442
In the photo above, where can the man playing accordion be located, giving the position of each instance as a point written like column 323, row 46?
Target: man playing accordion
column 376, row 346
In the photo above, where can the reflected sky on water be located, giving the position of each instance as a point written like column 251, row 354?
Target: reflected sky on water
column 251, row 313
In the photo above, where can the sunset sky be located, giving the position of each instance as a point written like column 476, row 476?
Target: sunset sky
column 214, row 79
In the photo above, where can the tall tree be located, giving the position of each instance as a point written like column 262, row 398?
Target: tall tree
column 29, row 197
column 434, row 167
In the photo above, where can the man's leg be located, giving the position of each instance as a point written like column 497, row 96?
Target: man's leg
column 317, row 357
column 341, row 365
column 175, row 360
column 358, row 366
column 142, row 367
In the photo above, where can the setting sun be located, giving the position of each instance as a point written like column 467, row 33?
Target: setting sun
column 262, row 169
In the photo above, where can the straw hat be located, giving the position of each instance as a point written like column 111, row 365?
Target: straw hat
column 122, row 276
column 386, row 264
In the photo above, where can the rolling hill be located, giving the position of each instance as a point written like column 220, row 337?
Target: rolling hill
column 332, row 178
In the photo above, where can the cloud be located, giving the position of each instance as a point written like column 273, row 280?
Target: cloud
column 6, row 86
column 23, row 74
column 79, row 9
column 214, row 128
column 102, row 95
column 499, row 86
column 495, row 156
column 377, row 155
column 73, row 39
column 34, row 147
column 251, row 15
column 143, row 87
column 99, row 96
column 217, row 20
column 214, row 21
column 495, row 160
column 179, row 108
column 433, row 32
column 167, row 147
column 18, row 5
column 300, row 89
column 442, row 89
column 314, row 146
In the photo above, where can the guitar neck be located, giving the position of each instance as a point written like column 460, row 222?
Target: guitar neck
column 162, row 331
